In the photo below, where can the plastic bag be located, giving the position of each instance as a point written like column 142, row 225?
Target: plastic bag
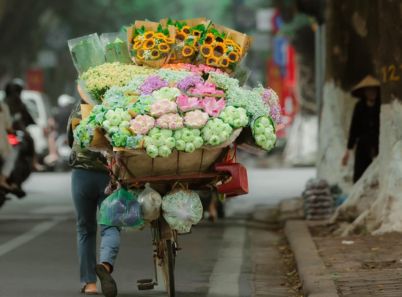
column 182, row 209
column 86, row 52
column 151, row 202
column 121, row 209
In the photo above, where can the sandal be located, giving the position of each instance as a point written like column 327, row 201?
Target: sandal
column 83, row 291
column 108, row 285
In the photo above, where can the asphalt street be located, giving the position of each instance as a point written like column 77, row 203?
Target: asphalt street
column 38, row 256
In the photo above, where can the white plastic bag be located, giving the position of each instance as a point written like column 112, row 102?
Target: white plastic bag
column 182, row 209
column 151, row 202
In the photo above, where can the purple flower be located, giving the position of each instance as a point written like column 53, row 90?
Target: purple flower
column 275, row 113
column 151, row 84
column 189, row 81
column 266, row 96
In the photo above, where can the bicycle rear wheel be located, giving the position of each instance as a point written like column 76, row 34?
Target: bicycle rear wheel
column 168, row 263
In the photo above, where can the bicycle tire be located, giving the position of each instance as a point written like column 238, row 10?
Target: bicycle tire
column 168, row 267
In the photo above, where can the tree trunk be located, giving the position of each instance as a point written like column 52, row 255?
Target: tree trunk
column 377, row 207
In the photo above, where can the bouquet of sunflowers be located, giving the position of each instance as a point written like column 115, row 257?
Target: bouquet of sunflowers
column 222, row 47
column 150, row 43
column 188, row 33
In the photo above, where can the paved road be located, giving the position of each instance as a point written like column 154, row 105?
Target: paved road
column 38, row 251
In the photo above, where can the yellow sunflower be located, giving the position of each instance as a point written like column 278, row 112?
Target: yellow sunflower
column 228, row 41
column 181, row 36
column 206, row 50
column 219, row 49
column 149, row 34
column 196, row 33
column 164, row 47
column 137, row 44
column 155, row 54
column 140, row 54
column 148, row 44
column 233, row 57
column 209, row 39
column 224, row 62
column 169, row 40
column 160, row 36
column 212, row 61
column 187, row 51
column 186, row 30
column 237, row 48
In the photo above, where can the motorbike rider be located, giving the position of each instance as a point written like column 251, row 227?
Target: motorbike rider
column 7, row 153
column 21, row 118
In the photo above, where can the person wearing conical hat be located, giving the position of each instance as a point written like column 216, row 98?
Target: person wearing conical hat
column 365, row 126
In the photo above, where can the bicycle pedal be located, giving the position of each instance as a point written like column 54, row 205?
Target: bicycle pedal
column 145, row 281
column 145, row 286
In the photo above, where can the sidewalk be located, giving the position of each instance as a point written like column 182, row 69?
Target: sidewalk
column 273, row 271
column 358, row 266
column 363, row 265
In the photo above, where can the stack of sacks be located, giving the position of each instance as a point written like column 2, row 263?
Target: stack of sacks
column 318, row 201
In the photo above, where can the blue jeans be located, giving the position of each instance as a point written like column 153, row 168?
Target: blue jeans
column 88, row 192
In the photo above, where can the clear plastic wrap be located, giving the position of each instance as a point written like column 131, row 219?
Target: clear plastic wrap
column 86, row 51
column 151, row 202
column 115, row 47
column 182, row 209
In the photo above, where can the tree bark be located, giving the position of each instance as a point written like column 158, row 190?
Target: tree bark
column 377, row 207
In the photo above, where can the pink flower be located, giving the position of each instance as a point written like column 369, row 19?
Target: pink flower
column 196, row 119
column 171, row 121
column 186, row 103
column 207, row 88
column 142, row 124
column 163, row 106
column 212, row 106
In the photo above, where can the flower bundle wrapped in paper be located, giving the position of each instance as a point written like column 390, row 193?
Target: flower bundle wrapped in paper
column 188, row 33
column 222, row 47
column 151, row 43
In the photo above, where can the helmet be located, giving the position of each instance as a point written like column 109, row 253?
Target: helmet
column 65, row 100
column 16, row 85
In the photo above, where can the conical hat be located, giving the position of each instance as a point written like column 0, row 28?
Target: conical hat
column 368, row 81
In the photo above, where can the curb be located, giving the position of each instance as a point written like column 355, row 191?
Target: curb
column 314, row 277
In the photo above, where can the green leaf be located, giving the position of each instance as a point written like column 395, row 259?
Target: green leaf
column 159, row 30
column 200, row 27
column 180, row 25
column 170, row 22
column 214, row 31
column 166, row 32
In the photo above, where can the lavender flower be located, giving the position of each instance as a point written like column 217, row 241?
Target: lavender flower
column 189, row 81
column 151, row 84
column 276, row 114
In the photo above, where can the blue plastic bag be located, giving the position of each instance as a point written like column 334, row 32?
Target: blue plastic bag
column 121, row 209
